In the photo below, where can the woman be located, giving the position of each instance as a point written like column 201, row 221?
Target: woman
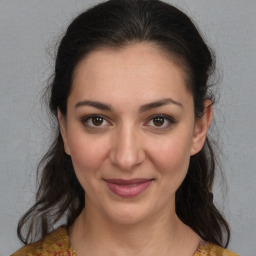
column 131, row 168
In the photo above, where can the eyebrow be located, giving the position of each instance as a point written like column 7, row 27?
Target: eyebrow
column 143, row 108
column 94, row 104
column 159, row 103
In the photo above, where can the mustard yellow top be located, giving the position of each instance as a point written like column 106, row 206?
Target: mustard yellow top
column 57, row 244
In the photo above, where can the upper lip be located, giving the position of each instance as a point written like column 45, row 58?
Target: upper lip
column 127, row 182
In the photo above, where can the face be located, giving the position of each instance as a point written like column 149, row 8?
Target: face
column 130, row 130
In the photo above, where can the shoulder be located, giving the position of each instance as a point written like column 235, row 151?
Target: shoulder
column 210, row 249
column 55, row 243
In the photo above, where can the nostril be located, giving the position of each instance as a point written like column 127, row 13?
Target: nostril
column 127, row 151
column 127, row 160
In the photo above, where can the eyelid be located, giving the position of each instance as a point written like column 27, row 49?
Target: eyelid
column 169, row 119
column 86, row 118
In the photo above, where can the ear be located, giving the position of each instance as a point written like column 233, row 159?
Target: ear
column 201, row 128
column 63, row 131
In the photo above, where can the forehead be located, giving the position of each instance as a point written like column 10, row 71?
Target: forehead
column 132, row 71
column 135, row 53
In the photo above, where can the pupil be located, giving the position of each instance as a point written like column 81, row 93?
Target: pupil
column 158, row 121
column 97, row 120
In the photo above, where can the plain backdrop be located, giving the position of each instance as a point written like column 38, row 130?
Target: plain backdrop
column 28, row 32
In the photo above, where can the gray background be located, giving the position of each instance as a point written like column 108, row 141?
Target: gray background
column 28, row 30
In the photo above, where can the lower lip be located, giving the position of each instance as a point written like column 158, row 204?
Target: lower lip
column 128, row 190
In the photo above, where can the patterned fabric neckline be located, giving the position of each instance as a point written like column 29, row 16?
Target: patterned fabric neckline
column 204, row 248
column 57, row 244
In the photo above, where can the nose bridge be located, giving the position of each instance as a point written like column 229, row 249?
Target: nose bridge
column 127, row 150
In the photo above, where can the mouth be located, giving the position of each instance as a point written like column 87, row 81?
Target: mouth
column 128, row 188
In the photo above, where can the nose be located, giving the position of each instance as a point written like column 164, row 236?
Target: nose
column 127, row 149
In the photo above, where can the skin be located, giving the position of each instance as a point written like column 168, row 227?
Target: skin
column 128, row 143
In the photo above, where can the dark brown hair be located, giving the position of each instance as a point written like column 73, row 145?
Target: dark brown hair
column 117, row 23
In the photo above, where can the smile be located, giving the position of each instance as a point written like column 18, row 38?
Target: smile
column 128, row 188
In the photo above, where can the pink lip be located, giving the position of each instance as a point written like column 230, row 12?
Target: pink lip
column 128, row 188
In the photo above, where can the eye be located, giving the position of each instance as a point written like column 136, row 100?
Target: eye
column 160, row 121
column 94, row 121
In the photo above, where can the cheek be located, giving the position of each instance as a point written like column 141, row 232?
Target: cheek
column 171, row 158
column 88, row 154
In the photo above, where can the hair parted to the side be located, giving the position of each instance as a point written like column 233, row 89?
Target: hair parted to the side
column 117, row 23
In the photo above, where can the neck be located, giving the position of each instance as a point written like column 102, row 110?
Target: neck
column 161, row 234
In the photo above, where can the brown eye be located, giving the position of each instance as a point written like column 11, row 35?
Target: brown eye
column 158, row 121
column 97, row 120
column 161, row 121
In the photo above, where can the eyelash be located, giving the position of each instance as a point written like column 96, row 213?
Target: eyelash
column 86, row 119
column 169, row 119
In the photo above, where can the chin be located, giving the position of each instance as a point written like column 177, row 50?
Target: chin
column 129, row 214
